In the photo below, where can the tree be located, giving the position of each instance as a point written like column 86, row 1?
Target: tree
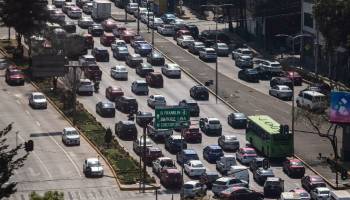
column 50, row 195
column 27, row 17
column 108, row 136
column 9, row 161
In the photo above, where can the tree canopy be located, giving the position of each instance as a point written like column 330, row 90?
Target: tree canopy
column 50, row 195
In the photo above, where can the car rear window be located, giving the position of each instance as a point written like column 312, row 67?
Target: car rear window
column 39, row 97
column 214, row 122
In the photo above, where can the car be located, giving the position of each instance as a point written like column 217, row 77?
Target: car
column 168, row 17
column 228, row 142
column 171, row 70
column 137, row 13
column 184, row 40
column 143, row 118
column 312, row 101
column 165, row 29
column 242, row 51
column 320, row 193
column 143, row 69
column 256, row 163
column 270, row 68
column 156, row 100
column 126, row 130
column 210, row 126
column 112, row 93
column 191, row 105
column 245, row 155
column 70, row 136
column 208, row 178
column 152, row 153
column 85, row 22
column 107, row 39
column 58, row 3
column 194, row 168
column 69, row 26
column 92, row 167
column 143, row 49
column 161, row 164
column 155, row 58
column 86, row 60
column 158, row 134
column 273, row 187
column 192, row 189
column 120, row 53
column 155, row 80
column 192, row 134
column 208, row 54
column 66, row 6
column 105, row 109
column 108, row 25
column 133, row 60
column 139, row 144
column 101, row 54
column 118, row 43
column 244, row 61
column 131, row 7
column 281, row 81
column 171, row 178
column 178, row 24
column 224, row 183
column 89, row 40
column 249, row 75
column 146, row 17
column 193, row 30
column 240, row 193
column 126, row 104
column 92, row 72
column 119, row 72
column 14, row 76
column 136, row 38
column 212, row 153
column 261, row 174
column 95, row 30
column 127, row 35
column 85, row 86
column 282, row 92
column 237, row 120
column 37, row 100
column 88, row 7
column 80, row 3
column 154, row 23
column 186, row 155
column 175, row 143
column 310, row 182
column 57, row 16
column 139, row 87
column 320, row 87
column 208, row 37
column 295, row 77
column 304, row 195
column 74, row 12
column 118, row 30
column 199, row 92
column 195, row 47
column 221, row 49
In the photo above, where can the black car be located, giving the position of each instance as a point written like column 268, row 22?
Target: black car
column 143, row 69
column 174, row 142
column 208, row 37
column 192, row 106
column 273, row 187
column 208, row 178
column 143, row 118
column 281, row 81
column 155, row 58
column 237, row 120
column 100, row 54
column 199, row 92
column 250, row 75
column 69, row 26
column 133, row 60
column 105, row 109
column 260, row 175
column 256, row 163
column 120, row 53
column 96, row 30
column 126, row 130
column 126, row 105
column 193, row 29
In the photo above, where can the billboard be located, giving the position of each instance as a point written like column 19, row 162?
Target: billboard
column 340, row 107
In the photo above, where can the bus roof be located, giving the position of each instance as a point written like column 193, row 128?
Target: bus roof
column 266, row 123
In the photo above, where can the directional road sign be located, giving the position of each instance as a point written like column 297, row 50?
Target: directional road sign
column 170, row 117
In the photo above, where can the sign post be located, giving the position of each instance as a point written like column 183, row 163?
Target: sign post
column 170, row 117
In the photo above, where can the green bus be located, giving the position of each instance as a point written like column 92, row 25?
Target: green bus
column 269, row 137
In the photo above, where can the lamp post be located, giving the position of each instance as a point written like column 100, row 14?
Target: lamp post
column 138, row 17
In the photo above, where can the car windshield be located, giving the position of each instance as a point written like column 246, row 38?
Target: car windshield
column 191, row 156
column 275, row 65
column 188, row 186
column 274, row 183
column 220, row 182
column 210, row 52
column 17, row 72
column 107, row 105
column 167, row 163
column 71, row 133
column 187, row 37
column 158, row 98
column 197, row 165
column 39, row 97
column 123, row 50
column 246, row 52
column 85, row 83
column 216, row 151
column 121, row 69
column 284, row 88
column 94, row 67
column 142, row 84
column 249, row 151
column 222, row 45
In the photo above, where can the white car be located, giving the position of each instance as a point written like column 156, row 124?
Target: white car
column 85, row 22
column 162, row 163
column 223, row 183
column 74, row 12
column 37, row 100
column 272, row 67
column 85, row 86
column 184, row 40
column 242, row 51
column 320, row 193
column 281, row 92
column 88, row 7
column 118, row 43
column 155, row 23
column 165, row 29
column 145, row 16
column 156, row 100
column 86, row 60
column 119, row 72
column 70, row 136
column 194, row 168
column 131, row 7
column 171, row 70
column 92, row 167
column 208, row 54
column 66, row 6
column 192, row 189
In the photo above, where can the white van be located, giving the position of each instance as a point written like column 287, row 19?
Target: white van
column 311, row 100
column 290, row 196
column 240, row 172
column 340, row 195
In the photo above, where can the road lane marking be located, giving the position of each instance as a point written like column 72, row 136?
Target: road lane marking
column 28, row 113
column 37, row 123
column 18, row 102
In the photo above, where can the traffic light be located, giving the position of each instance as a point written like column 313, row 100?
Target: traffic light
column 29, row 146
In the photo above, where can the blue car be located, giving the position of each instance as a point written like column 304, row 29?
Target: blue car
column 212, row 153
column 168, row 17
column 143, row 49
column 186, row 155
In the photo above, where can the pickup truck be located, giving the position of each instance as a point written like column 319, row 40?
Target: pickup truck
column 210, row 126
column 93, row 72
column 158, row 134
column 224, row 164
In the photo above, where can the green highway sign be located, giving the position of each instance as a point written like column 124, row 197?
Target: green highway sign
column 170, row 117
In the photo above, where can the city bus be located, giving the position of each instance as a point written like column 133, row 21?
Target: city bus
column 269, row 137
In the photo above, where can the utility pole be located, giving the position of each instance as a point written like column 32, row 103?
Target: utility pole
column 74, row 65
column 148, row 2
column 316, row 49
column 144, row 160
column 138, row 17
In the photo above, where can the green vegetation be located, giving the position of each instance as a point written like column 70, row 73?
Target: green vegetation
column 126, row 168
column 50, row 195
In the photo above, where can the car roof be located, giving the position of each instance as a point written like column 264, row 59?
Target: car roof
column 140, row 81
column 313, row 93
column 127, row 122
column 212, row 173
column 172, row 171
column 238, row 114
column 191, row 182
column 189, row 151
column 37, row 93
column 195, row 162
column 225, row 179
column 128, row 97
column 322, row 189
column 274, row 179
column 164, row 158
column 213, row 119
column 209, row 49
column 247, row 149
column 70, row 129
column 88, row 56
column 214, row 146
column 92, row 159
column 176, row 137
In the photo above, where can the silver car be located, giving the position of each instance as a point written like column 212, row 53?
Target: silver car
column 171, row 70
column 70, row 136
column 85, row 22
column 37, row 100
column 92, row 167
column 119, row 72
column 184, row 40
column 228, row 142
column 281, row 92
column 140, row 87
column 221, row 49
column 156, row 100
column 193, row 189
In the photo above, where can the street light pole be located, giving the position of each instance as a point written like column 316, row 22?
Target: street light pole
column 148, row 16
column 138, row 17
column 153, row 27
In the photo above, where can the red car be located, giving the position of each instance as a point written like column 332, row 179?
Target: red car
column 113, row 93
column 171, row 178
column 108, row 25
column 93, row 72
column 14, row 76
column 192, row 134
column 107, row 39
column 298, row 80
column 294, row 167
column 89, row 41
column 155, row 79
column 127, row 35
column 152, row 153
column 311, row 182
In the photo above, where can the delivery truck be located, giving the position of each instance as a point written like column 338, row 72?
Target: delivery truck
column 101, row 10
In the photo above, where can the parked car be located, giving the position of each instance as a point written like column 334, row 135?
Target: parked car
column 240, row 193
column 156, row 100
column 37, row 100
column 294, row 76
column 85, row 22
column 244, row 61
column 126, row 105
column 119, row 72
column 133, row 60
column 143, row 49
column 92, row 167
column 281, row 81
column 192, row 134
column 261, row 174
column 14, row 76
column 221, row 49
column 245, row 155
column 184, row 40
column 155, row 79
column 192, row 189
column 194, row 168
column 228, row 142
column 112, row 93
column 199, row 92
column 191, row 105
column 209, row 177
column 105, row 109
column 107, row 39
column 156, row 59
column 143, row 118
column 140, row 87
column 120, row 53
column 242, row 51
column 212, row 153
column 250, row 75
column 143, row 69
column 311, row 182
column 126, row 130
column 320, row 193
column 70, row 136
column 175, row 143
column 195, row 47
column 171, row 178
column 161, row 164
column 108, row 25
column 186, row 155
column 273, row 187
column 208, row 54
column 237, row 120
column 165, row 29
column 282, row 92
column 224, row 183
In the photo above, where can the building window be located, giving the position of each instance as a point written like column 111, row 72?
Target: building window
column 308, row 20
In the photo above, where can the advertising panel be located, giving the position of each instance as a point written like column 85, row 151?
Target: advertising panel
column 340, row 107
